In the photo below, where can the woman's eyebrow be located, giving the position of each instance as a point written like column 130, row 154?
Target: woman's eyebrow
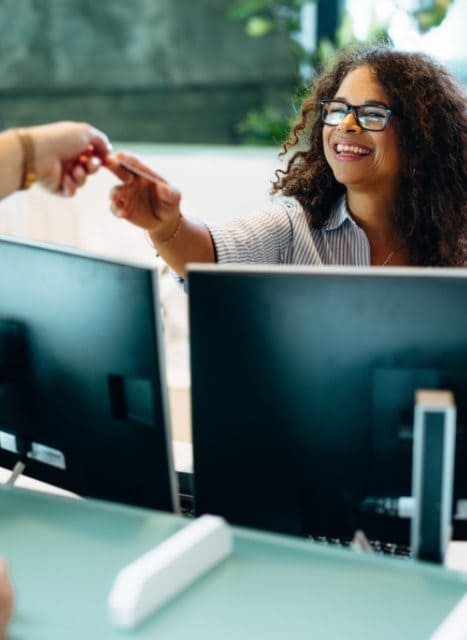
column 379, row 103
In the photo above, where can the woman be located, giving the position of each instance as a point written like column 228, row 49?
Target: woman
column 376, row 176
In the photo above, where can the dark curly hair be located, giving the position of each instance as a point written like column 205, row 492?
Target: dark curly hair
column 430, row 212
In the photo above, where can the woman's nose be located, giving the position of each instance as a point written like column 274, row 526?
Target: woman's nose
column 349, row 123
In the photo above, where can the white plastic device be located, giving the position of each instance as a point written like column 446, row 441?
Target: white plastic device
column 150, row 581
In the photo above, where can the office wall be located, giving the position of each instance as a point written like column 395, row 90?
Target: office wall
column 143, row 70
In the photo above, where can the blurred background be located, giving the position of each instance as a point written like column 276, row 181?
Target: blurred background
column 203, row 90
column 195, row 71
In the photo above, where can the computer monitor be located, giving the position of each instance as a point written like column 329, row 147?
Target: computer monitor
column 303, row 384
column 82, row 384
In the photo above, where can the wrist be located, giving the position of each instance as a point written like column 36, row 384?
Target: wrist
column 175, row 232
column 170, row 235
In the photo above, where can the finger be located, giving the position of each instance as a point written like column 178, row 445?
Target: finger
column 100, row 142
column 90, row 163
column 66, row 169
column 118, row 201
column 122, row 193
column 139, row 205
column 124, row 164
column 78, row 175
column 67, row 187
column 136, row 162
column 114, row 193
column 117, row 210
column 93, row 164
column 112, row 163
column 168, row 195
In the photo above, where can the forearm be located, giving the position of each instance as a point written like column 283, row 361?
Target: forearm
column 11, row 162
column 191, row 243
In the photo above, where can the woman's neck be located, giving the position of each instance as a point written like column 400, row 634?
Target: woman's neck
column 374, row 214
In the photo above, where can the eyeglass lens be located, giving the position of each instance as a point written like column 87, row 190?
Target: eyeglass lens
column 369, row 116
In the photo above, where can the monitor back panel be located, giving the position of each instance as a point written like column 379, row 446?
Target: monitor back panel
column 94, row 388
column 303, row 383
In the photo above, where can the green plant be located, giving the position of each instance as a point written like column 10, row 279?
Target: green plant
column 269, row 125
column 432, row 15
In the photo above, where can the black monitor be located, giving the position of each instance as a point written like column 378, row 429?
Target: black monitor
column 303, row 382
column 82, row 385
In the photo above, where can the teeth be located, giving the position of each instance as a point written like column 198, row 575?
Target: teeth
column 350, row 148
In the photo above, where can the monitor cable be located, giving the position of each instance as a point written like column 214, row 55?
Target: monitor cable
column 23, row 447
column 16, row 472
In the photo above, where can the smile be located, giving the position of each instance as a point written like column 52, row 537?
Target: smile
column 351, row 149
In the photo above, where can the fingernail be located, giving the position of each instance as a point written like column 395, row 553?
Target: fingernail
column 118, row 213
column 166, row 190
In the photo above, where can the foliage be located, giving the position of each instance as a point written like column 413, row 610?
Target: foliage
column 262, row 17
column 265, row 126
column 271, row 124
column 433, row 16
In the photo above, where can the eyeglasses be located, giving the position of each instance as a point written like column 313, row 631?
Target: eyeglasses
column 372, row 117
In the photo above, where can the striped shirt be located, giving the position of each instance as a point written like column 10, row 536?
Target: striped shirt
column 281, row 235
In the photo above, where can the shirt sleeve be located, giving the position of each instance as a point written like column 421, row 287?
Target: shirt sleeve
column 259, row 238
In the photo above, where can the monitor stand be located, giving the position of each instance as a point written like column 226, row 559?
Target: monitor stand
column 433, row 474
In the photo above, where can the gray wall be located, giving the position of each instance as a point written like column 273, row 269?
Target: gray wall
column 152, row 70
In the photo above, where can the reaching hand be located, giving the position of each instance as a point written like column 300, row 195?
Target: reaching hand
column 152, row 203
column 66, row 153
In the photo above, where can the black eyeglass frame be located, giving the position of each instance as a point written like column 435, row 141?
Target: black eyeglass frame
column 353, row 108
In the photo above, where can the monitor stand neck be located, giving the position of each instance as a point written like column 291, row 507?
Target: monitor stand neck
column 432, row 474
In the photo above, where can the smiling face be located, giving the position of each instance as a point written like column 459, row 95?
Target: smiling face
column 361, row 159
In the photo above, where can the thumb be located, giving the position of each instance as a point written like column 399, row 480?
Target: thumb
column 168, row 195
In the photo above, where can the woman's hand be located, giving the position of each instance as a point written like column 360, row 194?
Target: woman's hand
column 151, row 204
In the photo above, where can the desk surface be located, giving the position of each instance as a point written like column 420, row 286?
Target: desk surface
column 64, row 555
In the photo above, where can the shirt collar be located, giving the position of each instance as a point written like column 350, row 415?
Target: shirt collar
column 338, row 216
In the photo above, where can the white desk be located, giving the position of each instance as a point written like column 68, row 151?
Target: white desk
column 64, row 555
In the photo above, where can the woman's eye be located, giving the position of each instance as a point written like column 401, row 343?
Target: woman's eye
column 374, row 114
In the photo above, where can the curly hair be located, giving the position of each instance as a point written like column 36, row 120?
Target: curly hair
column 430, row 211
